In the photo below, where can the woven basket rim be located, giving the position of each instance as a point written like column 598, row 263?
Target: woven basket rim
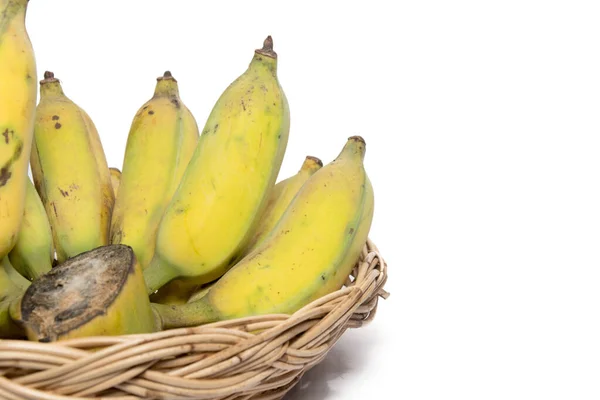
column 259, row 358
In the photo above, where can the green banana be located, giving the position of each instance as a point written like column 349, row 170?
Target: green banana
column 17, row 279
column 228, row 180
column 33, row 253
column 9, row 293
column 70, row 173
column 18, row 96
column 310, row 252
column 161, row 141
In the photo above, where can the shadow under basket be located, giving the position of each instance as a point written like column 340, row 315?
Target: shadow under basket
column 258, row 358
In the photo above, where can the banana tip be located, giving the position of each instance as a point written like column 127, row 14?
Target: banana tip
column 48, row 77
column 267, row 49
column 268, row 43
column 315, row 160
column 166, row 75
column 357, row 139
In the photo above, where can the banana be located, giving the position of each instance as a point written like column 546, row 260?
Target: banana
column 115, row 180
column 280, row 199
column 108, row 194
column 96, row 293
column 18, row 96
column 161, row 141
column 310, row 252
column 182, row 290
column 70, row 173
column 19, row 280
column 228, row 180
column 9, row 294
column 33, row 253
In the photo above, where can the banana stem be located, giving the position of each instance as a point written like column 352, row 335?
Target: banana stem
column 186, row 315
column 158, row 274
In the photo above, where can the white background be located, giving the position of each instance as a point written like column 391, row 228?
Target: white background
column 482, row 127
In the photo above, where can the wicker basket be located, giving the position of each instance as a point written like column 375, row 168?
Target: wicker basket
column 258, row 358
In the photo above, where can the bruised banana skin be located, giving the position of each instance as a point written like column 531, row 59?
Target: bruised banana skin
column 160, row 144
column 310, row 252
column 100, row 292
column 33, row 253
column 69, row 173
column 18, row 97
column 183, row 290
column 227, row 182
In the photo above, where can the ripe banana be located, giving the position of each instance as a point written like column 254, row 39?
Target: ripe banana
column 280, row 199
column 33, row 253
column 108, row 194
column 161, row 142
column 227, row 182
column 310, row 252
column 70, row 173
column 99, row 292
column 115, row 180
column 182, row 290
column 18, row 96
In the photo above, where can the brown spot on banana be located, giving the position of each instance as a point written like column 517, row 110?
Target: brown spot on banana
column 5, row 172
column 5, row 175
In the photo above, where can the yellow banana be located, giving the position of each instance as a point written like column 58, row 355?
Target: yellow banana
column 182, row 290
column 96, row 293
column 106, row 188
column 70, row 173
column 280, row 199
column 115, row 180
column 161, row 142
column 310, row 252
column 227, row 182
column 18, row 96
column 33, row 253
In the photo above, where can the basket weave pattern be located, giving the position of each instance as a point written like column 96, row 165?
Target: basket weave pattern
column 258, row 358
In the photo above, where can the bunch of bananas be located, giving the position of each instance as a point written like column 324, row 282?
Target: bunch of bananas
column 192, row 229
